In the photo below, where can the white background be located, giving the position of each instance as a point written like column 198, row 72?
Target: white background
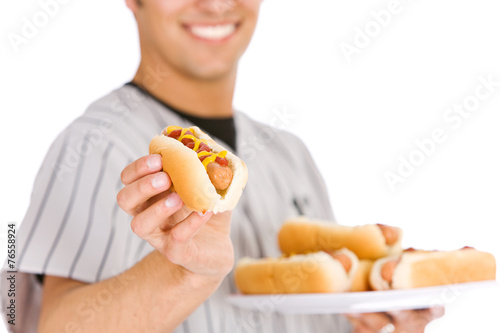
column 358, row 118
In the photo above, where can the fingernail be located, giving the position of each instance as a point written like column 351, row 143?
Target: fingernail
column 203, row 213
column 154, row 162
column 172, row 200
column 159, row 181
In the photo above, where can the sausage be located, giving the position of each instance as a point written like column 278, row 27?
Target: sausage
column 387, row 270
column 344, row 260
column 390, row 234
column 220, row 176
column 219, row 173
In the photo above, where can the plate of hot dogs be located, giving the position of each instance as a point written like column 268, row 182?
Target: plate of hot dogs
column 331, row 268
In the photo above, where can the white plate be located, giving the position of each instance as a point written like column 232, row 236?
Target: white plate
column 359, row 302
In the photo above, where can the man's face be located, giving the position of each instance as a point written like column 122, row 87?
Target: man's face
column 202, row 39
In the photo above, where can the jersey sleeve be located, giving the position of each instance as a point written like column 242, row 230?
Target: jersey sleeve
column 70, row 218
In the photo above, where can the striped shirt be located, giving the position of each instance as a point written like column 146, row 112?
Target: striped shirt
column 74, row 228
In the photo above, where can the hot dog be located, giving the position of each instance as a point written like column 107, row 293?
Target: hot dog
column 416, row 268
column 361, row 280
column 206, row 176
column 302, row 235
column 317, row 272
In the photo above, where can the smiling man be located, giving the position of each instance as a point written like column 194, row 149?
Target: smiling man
column 114, row 249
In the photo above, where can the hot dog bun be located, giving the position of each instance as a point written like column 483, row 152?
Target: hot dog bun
column 361, row 280
column 302, row 235
column 432, row 268
column 315, row 272
column 376, row 281
column 190, row 179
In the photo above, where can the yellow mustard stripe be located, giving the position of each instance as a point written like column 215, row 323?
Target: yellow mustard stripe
column 183, row 132
column 196, row 145
column 209, row 160
column 212, row 158
column 197, row 142
column 170, row 129
column 188, row 136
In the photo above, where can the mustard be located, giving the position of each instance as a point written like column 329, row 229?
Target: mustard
column 170, row 129
column 197, row 142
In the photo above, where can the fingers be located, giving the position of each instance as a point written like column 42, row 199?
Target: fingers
column 435, row 312
column 421, row 314
column 147, row 224
column 369, row 322
column 415, row 321
column 133, row 197
column 222, row 222
column 376, row 321
column 141, row 167
column 178, row 216
column 187, row 229
column 178, row 245
column 408, row 321
column 358, row 326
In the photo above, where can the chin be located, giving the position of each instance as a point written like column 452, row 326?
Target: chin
column 214, row 73
column 210, row 68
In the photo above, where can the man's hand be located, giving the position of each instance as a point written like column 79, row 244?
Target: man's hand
column 408, row 321
column 200, row 243
column 194, row 254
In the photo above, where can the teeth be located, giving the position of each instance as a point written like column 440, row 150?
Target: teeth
column 213, row 32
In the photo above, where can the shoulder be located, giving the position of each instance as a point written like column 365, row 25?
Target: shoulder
column 111, row 124
column 125, row 117
column 113, row 108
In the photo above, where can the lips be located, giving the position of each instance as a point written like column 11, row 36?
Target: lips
column 213, row 32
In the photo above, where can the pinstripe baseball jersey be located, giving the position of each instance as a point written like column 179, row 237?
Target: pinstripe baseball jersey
column 74, row 227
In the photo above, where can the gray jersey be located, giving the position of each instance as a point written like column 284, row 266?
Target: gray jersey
column 74, row 227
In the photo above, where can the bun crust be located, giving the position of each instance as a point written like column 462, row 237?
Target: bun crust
column 310, row 273
column 302, row 235
column 434, row 268
column 361, row 280
column 376, row 281
column 427, row 269
column 190, row 179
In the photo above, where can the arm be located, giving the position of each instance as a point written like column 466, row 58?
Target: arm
column 145, row 296
column 191, row 259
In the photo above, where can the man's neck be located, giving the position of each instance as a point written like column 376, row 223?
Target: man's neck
column 197, row 97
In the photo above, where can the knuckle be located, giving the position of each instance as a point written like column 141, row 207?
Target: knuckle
column 158, row 209
column 136, row 227
column 122, row 201
column 177, row 236
column 123, row 177
column 142, row 165
column 144, row 186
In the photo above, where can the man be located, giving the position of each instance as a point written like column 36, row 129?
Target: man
column 98, row 276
